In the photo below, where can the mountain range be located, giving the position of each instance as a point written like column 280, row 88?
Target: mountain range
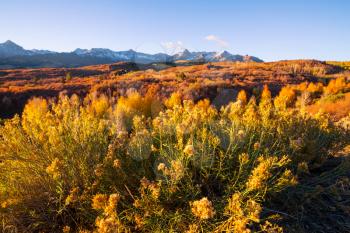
column 15, row 56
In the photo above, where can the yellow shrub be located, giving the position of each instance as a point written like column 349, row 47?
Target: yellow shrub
column 174, row 100
column 266, row 93
column 285, row 98
column 242, row 96
column 336, row 86
column 72, row 162
column 134, row 105
column 315, row 87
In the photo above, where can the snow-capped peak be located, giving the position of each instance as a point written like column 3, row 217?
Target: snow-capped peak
column 9, row 49
column 223, row 54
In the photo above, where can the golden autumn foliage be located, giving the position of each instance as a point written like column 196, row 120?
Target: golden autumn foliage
column 266, row 93
column 174, row 100
column 285, row 98
column 242, row 96
column 132, row 165
column 337, row 85
column 20, row 85
column 314, row 87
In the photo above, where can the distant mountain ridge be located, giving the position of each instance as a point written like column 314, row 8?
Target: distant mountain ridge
column 15, row 56
column 10, row 49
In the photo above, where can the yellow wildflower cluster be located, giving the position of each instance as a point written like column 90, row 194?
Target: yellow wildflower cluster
column 66, row 229
column 175, row 172
column 152, row 186
column 99, row 201
column 117, row 164
column 261, row 174
column 203, row 208
column 55, row 169
column 251, row 211
column 258, row 180
column 193, row 228
column 140, row 145
column 109, row 222
column 73, row 196
column 243, row 158
column 189, row 150
column 162, row 167
column 242, row 213
column 109, row 225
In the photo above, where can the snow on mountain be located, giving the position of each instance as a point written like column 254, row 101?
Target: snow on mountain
column 10, row 49
column 95, row 52
column 129, row 55
column 184, row 55
column 40, row 52
column 223, row 56
column 211, row 56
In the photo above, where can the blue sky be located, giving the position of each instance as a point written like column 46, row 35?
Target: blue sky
column 271, row 29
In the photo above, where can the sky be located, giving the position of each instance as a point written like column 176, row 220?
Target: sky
column 270, row 29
